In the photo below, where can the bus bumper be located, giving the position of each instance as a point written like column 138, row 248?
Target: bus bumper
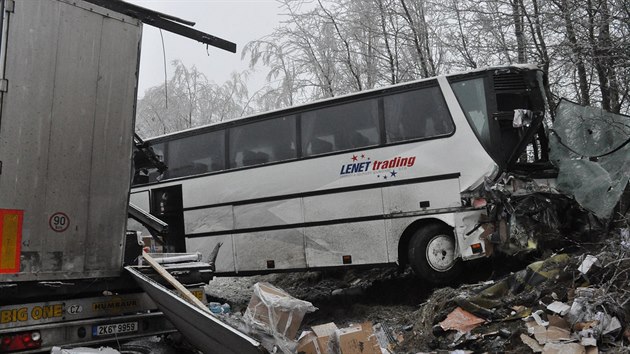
column 472, row 234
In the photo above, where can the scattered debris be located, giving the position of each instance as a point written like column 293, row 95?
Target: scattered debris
column 564, row 348
column 559, row 307
column 566, row 308
column 587, row 263
column 216, row 308
column 495, row 302
column 461, row 321
column 532, row 343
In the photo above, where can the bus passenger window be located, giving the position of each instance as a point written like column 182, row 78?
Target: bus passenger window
column 342, row 127
column 319, row 146
column 195, row 154
column 262, row 142
column 416, row 114
column 250, row 158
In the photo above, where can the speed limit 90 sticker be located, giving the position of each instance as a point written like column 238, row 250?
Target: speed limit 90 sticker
column 59, row 222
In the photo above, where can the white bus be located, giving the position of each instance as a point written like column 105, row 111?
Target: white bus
column 378, row 177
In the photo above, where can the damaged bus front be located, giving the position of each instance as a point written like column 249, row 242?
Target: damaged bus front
column 506, row 109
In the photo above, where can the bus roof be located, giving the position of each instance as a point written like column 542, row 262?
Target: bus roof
column 302, row 106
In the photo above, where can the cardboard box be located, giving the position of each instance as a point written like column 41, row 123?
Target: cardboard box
column 359, row 339
column 276, row 311
column 317, row 340
column 307, row 344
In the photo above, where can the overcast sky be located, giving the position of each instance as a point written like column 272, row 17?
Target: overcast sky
column 238, row 21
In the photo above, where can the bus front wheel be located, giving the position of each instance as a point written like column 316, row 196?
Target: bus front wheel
column 432, row 254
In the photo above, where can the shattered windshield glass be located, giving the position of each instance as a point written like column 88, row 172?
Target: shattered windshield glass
column 590, row 148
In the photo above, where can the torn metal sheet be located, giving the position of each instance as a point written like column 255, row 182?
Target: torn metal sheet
column 201, row 328
column 590, row 148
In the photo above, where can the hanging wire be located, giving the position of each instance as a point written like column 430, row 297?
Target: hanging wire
column 165, row 78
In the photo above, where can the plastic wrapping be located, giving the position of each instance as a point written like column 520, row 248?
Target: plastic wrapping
column 274, row 311
column 590, row 147
column 522, row 117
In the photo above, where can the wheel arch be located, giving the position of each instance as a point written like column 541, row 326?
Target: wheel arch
column 410, row 230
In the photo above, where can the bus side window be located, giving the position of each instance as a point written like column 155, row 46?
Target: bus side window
column 318, row 146
column 262, row 142
column 254, row 158
column 359, row 140
column 342, row 127
column 416, row 114
column 195, row 154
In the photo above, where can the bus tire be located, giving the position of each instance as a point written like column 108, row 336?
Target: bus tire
column 432, row 254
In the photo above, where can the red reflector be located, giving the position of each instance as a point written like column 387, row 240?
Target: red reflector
column 476, row 248
column 347, row 259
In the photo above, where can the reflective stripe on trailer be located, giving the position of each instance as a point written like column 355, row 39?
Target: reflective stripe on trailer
column 10, row 240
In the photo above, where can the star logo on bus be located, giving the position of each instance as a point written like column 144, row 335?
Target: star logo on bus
column 354, row 157
column 393, row 173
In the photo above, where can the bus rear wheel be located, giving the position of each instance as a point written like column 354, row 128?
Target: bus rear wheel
column 432, row 251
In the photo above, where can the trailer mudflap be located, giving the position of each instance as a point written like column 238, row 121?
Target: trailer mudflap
column 201, row 328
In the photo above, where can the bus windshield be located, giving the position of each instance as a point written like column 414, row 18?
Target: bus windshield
column 505, row 109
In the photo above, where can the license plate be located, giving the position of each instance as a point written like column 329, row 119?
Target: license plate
column 116, row 328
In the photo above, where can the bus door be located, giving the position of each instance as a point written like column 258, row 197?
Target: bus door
column 167, row 205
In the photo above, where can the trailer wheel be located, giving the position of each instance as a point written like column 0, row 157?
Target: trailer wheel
column 432, row 254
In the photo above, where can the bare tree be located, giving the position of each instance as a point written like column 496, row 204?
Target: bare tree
column 192, row 101
column 326, row 48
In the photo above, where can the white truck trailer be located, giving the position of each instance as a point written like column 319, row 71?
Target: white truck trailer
column 68, row 85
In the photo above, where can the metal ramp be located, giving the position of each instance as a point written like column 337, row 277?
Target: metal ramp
column 202, row 329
